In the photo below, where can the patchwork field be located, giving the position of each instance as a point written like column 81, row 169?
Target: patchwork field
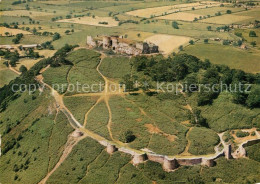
column 167, row 43
column 20, row 13
column 226, row 19
column 212, row 11
column 97, row 21
column 3, row 30
column 164, row 10
column 227, row 55
column 180, row 16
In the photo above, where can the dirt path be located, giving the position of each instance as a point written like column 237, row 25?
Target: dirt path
column 186, row 151
column 14, row 70
column 86, row 115
column 71, row 142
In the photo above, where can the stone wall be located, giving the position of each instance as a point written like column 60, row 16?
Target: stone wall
column 192, row 161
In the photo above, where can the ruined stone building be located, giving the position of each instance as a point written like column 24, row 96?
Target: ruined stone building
column 121, row 45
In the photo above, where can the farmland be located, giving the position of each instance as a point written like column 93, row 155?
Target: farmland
column 76, row 113
column 227, row 19
column 167, row 43
column 232, row 57
column 97, row 21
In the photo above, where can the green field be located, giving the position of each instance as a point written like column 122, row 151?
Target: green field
column 202, row 141
column 79, row 106
column 116, row 67
column 228, row 55
column 6, row 76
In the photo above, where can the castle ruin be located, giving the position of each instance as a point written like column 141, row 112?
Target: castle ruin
column 121, row 45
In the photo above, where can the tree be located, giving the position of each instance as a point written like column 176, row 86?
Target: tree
column 7, row 33
column 67, row 32
column 175, row 25
column 127, row 137
column 252, row 34
column 13, row 61
column 226, row 42
column 191, row 42
column 56, row 36
column 34, row 31
column 128, row 82
column 23, row 69
column 253, row 99
column 209, row 28
column 139, row 35
column 229, row 11
column 253, row 43
column 206, row 40
column 181, row 48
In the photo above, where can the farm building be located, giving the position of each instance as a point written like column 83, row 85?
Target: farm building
column 121, row 45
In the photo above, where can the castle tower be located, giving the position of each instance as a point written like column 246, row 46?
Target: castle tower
column 114, row 42
column 228, row 151
column 208, row 162
column 139, row 158
column 106, row 42
column 170, row 164
column 111, row 148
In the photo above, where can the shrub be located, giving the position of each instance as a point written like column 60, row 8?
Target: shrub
column 252, row 34
column 229, row 11
column 242, row 134
column 127, row 137
column 175, row 25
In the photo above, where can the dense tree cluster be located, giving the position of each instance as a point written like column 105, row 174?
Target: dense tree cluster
column 17, row 38
column 203, row 76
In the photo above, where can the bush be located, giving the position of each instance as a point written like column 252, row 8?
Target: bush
column 175, row 25
column 127, row 137
column 191, row 42
column 229, row 11
column 242, row 134
column 252, row 34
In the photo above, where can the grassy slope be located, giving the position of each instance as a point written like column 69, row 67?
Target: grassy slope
column 233, row 116
column 84, row 71
column 57, row 77
column 203, row 141
column 41, row 138
column 6, row 76
column 115, row 67
column 254, row 152
column 98, row 119
column 166, row 115
column 79, row 106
